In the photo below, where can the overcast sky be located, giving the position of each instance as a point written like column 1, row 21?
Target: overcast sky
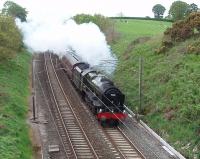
column 141, row 8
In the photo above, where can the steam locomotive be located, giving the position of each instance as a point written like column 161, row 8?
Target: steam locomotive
column 105, row 100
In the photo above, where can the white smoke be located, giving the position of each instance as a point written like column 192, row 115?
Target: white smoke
column 85, row 39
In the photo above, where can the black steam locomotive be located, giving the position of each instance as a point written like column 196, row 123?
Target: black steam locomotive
column 104, row 99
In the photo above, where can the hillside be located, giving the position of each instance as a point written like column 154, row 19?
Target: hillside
column 14, row 92
column 171, row 103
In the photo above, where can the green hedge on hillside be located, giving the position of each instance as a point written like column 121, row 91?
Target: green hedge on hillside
column 142, row 18
column 10, row 38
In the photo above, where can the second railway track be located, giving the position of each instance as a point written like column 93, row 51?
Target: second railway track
column 72, row 135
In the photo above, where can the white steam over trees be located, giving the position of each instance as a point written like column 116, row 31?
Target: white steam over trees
column 55, row 34
column 105, row 24
column 85, row 39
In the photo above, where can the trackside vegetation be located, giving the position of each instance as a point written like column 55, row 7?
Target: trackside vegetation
column 180, row 31
column 170, row 100
column 10, row 38
column 14, row 91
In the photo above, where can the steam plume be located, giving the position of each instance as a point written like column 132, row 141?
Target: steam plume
column 86, row 39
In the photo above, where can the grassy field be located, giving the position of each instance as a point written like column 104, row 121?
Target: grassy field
column 14, row 92
column 132, row 29
column 171, row 102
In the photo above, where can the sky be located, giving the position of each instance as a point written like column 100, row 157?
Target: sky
column 52, row 8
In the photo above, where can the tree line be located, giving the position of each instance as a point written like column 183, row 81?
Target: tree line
column 178, row 10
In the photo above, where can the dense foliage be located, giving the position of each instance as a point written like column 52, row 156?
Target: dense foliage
column 194, row 48
column 158, row 10
column 178, row 10
column 14, row 10
column 10, row 38
column 105, row 24
column 181, row 31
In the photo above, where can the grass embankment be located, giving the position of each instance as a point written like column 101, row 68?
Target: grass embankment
column 171, row 87
column 14, row 91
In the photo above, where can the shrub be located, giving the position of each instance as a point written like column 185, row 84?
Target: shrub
column 194, row 21
column 194, row 48
column 180, row 31
column 10, row 38
column 6, row 53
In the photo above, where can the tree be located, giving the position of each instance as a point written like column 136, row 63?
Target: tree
column 10, row 38
column 12, row 9
column 105, row 24
column 192, row 8
column 158, row 11
column 178, row 10
column 120, row 14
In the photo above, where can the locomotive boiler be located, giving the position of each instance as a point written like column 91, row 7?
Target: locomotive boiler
column 105, row 100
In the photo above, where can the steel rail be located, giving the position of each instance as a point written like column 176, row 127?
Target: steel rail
column 57, row 106
column 133, row 145
column 74, row 130
column 122, row 144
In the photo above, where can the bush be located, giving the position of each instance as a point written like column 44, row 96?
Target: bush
column 180, row 31
column 6, row 53
column 194, row 21
column 194, row 48
column 10, row 38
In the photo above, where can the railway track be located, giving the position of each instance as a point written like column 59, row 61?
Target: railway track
column 118, row 142
column 73, row 138
column 65, row 129
column 125, row 148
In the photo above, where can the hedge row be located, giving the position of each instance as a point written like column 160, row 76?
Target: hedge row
column 142, row 18
column 10, row 38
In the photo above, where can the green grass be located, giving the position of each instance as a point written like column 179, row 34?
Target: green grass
column 171, row 87
column 14, row 92
column 133, row 29
column 141, row 27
